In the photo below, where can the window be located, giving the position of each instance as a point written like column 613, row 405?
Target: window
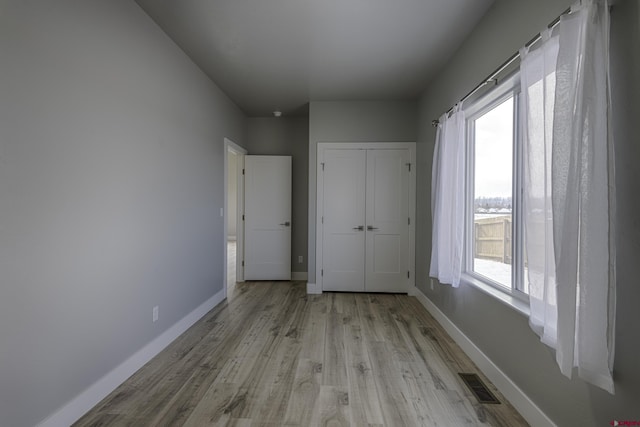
column 493, row 240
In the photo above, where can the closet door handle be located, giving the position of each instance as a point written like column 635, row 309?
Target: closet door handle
column 371, row 227
column 359, row 228
column 286, row 224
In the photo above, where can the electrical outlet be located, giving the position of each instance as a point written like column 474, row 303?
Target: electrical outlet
column 300, row 259
column 155, row 313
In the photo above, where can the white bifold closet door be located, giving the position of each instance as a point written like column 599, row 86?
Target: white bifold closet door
column 365, row 220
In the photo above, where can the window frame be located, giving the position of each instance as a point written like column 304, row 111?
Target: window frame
column 514, row 296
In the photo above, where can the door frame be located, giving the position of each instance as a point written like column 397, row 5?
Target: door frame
column 411, row 146
column 240, row 153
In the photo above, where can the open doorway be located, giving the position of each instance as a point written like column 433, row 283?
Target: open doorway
column 234, row 207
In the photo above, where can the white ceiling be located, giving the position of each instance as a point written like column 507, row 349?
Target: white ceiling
column 281, row 54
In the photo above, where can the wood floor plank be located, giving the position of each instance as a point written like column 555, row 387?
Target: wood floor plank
column 275, row 397
column 392, row 391
column 239, row 422
column 387, row 308
column 216, row 406
column 275, row 356
column 255, row 386
column 304, row 393
column 346, row 307
column 370, row 319
column 331, row 408
column 314, row 327
column 334, row 372
column 363, row 395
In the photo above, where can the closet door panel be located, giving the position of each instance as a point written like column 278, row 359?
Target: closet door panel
column 343, row 220
column 387, row 214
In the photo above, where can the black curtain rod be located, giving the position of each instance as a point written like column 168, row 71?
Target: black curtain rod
column 492, row 77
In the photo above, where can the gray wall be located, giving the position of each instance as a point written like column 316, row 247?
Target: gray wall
column 353, row 121
column 499, row 331
column 111, row 181
column 287, row 136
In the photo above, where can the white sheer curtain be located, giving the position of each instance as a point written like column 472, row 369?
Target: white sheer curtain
column 538, row 84
column 583, row 197
column 569, row 192
column 447, row 198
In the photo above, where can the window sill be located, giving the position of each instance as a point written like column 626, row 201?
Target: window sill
column 517, row 304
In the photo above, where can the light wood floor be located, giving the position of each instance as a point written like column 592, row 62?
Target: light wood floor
column 274, row 356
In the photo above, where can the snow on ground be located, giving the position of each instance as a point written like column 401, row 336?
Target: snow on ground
column 496, row 271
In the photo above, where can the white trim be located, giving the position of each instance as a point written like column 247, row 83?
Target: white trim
column 506, row 298
column 413, row 171
column 299, row 276
column 78, row 406
column 506, row 89
column 527, row 408
column 312, row 288
column 239, row 238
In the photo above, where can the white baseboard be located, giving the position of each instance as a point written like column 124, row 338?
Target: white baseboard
column 299, row 276
column 81, row 404
column 312, row 288
column 527, row 408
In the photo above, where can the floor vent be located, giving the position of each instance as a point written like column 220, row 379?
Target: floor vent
column 478, row 388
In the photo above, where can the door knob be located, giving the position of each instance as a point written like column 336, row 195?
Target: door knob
column 359, row 228
column 286, row 224
column 371, row 227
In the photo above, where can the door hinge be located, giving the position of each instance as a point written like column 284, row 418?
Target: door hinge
column 408, row 221
column 321, row 272
column 322, row 166
column 409, row 166
column 408, row 274
column 243, row 217
column 242, row 171
column 322, row 220
column 243, row 263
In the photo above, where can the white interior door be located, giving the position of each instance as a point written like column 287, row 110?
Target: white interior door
column 343, row 220
column 387, row 224
column 267, row 251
